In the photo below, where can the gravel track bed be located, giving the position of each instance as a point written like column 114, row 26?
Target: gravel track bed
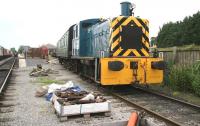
column 7, row 64
column 3, row 76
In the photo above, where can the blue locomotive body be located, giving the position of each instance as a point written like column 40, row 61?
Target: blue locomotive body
column 111, row 52
column 98, row 37
column 81, row 44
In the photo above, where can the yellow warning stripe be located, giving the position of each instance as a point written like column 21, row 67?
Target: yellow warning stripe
column 115, row 32
column 116, row 53
column 116, row 21
column 135, row 52
column 117, row 40
column 124, row 24
column 144, row 52
column 131, row 50
column 127, row 52
column 145, row 21
column 113, row 23
column 138, row 24
column 126, row 21
column 115, row 44
column 145, row 43
column 146, row 33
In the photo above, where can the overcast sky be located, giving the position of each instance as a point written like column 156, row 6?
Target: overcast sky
column 36, row 22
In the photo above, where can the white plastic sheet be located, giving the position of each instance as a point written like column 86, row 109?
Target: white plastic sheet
column 53, row 87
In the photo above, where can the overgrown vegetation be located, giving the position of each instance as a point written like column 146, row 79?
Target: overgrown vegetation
column 180, row 33
column 184, row 47
column 184, row 78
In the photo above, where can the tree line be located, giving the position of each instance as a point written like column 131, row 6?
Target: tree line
column 180, row 33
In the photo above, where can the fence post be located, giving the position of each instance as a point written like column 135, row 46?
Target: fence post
column 174, row 55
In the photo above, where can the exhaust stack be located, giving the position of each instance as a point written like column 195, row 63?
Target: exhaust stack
column 126, row 9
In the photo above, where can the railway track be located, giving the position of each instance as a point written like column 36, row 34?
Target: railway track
column 197, row 107
column 7, row 90
column 6, row 68
column 169, row 110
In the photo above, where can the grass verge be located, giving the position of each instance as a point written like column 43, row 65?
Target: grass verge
column 46, row 81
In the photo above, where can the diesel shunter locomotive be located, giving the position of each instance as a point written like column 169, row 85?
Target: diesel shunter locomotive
column 111, row 51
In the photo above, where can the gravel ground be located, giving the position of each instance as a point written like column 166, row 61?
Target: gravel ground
column 29, row 110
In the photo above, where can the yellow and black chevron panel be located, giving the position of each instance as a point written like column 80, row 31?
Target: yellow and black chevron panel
column 130, row 36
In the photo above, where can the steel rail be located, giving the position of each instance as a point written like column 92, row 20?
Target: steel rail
column 197, row 107
column 7, row 76
column 168, row 121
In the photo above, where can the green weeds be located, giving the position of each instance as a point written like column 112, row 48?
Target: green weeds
column 184, row 78
column 46, row 81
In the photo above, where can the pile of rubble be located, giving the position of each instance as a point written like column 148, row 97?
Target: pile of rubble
column 68, row 93
column 83, row 97
column 39, row 71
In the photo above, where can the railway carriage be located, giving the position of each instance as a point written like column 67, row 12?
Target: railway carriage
column 111, row 52
column 4, row 53
column 1, row 51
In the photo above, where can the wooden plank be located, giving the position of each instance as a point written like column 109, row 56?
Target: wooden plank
column 96, row 107
column 183, row 57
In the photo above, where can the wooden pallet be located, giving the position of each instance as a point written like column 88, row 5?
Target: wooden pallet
column 88, row 115
column 85, row 110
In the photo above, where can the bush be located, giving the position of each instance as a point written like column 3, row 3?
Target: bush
column 180, row 79
column 168, row 68
column 184, row 78
column 196, row 81
column 196, row 85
